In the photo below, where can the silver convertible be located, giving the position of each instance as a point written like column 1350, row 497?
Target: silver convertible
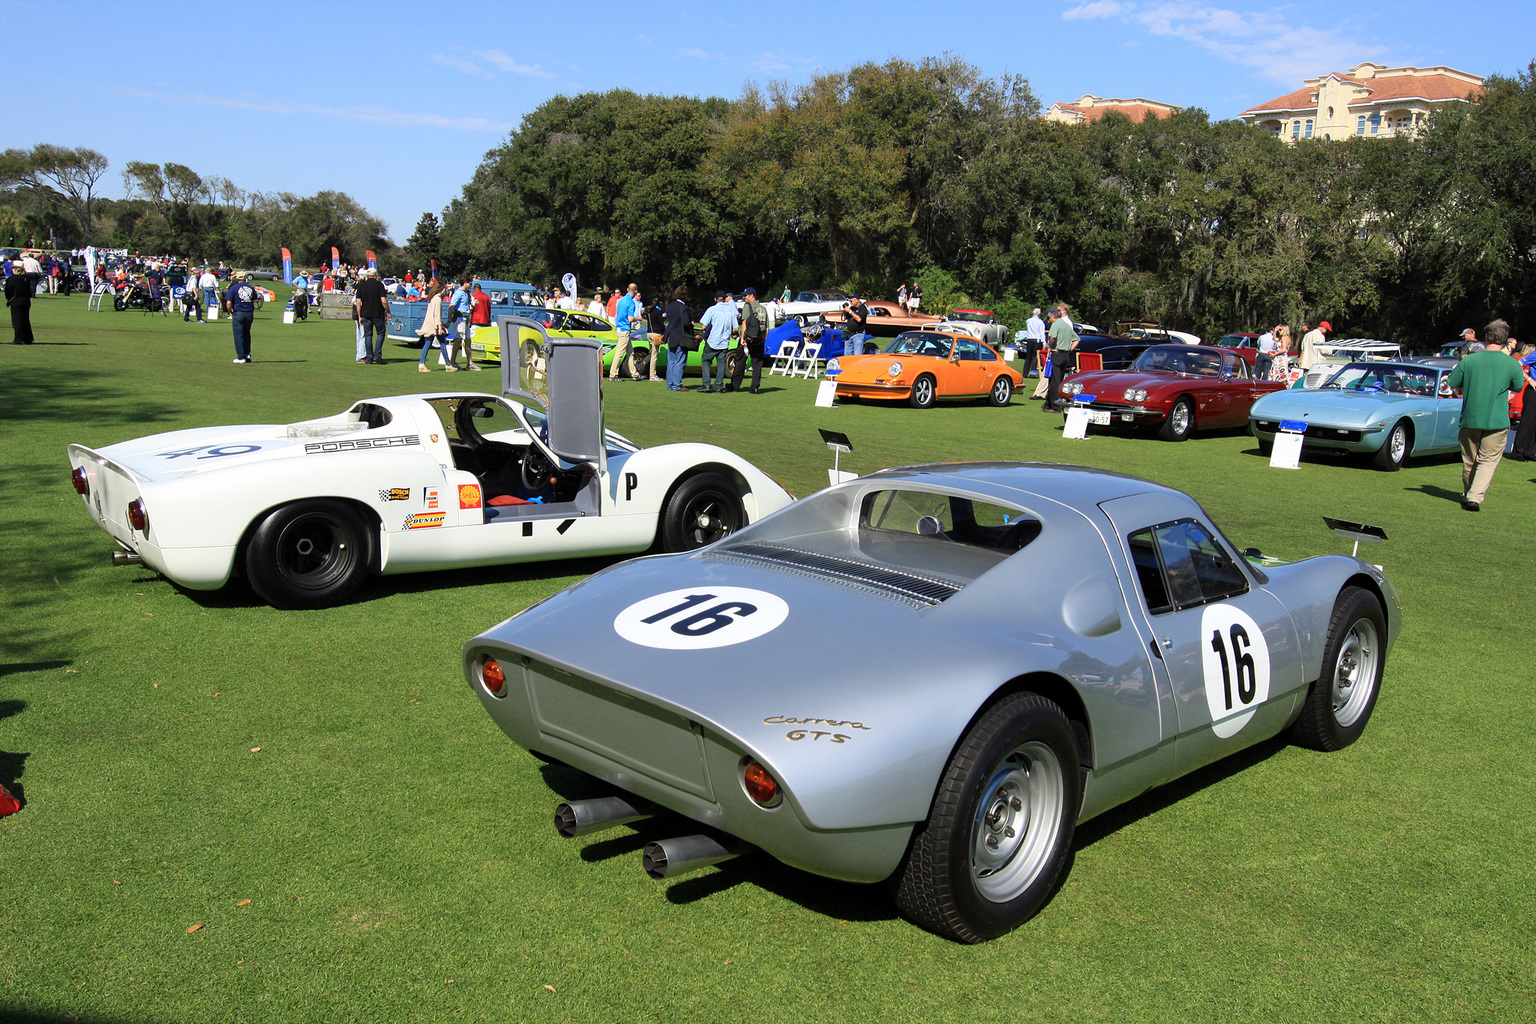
column 836, row 686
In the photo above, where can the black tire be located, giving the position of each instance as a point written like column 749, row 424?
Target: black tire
column 642, row 363
column 1180, row 422
column 1002, row 391
column 1265, row 447
column 924, row 392
column 310, row 554
column 985, row 862
column 735, row 364
column 1341, row 701
column 703, row 509
column 1389, row 458
column 119, row 302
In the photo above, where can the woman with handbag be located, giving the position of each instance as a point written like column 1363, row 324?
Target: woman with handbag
column 432, row 329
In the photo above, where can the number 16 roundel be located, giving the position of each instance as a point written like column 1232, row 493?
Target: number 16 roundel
column 701, row 617
column 1236, row 663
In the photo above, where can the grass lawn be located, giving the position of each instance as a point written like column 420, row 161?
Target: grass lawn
column 240, row 814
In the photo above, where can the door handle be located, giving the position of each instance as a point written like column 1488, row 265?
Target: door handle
column 1167, row 644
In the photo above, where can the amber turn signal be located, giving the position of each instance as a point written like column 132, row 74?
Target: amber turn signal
column 760, row 786
column 493, row 677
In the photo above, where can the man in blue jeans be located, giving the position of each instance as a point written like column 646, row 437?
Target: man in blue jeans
column 371, row 302
column 240, row 301
column 719, row 322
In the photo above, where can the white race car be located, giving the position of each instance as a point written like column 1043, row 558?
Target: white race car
column 306, row 511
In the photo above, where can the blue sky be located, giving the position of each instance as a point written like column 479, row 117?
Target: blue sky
column 397, row 107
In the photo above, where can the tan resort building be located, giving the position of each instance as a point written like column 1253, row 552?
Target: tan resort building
column 1369, row 100
column 1091, row 108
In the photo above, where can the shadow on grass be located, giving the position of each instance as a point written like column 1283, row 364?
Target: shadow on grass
column 1437, row 492
column 1112, row 821
column 15, row 1015
column 13, row 764
column 40, row 393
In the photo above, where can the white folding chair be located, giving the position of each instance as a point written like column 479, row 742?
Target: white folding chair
column 784, row 358
column 803, row 363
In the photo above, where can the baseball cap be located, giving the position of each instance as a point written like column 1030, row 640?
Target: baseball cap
column 749, row 291
column 1325, row 326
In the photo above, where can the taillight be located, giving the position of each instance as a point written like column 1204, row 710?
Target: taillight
column 137, row 517
column 493, row 677
column 762, row 787
column 78, row 478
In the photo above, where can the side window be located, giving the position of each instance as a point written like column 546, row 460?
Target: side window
column 1180, row 565
column 968, row 349
column 987, row 355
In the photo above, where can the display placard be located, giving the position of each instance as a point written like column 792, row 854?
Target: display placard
column 826, row 391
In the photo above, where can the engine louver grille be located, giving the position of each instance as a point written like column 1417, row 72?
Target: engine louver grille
column 923, row 590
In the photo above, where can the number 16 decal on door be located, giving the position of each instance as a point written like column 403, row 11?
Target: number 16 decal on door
column 700, row 617
column 1236, row 663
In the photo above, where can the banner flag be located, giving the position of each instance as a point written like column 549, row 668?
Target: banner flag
column 335, row 258
column 373, row 261
column 287, row 266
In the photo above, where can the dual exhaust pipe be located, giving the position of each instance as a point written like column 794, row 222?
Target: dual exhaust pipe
column 668, row 858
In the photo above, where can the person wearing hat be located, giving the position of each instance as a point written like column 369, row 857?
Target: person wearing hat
column 1310, row 339
column 1484, row 380
column 240, row 303
column 18, row 295
column 1469, row 342
column 754, row 330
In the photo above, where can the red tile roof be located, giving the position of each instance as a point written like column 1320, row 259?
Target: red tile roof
column 1385, row 86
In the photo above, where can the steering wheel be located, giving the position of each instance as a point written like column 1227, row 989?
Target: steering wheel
column 538, row 472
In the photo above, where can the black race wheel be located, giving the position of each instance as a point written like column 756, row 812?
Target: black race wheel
column 1000, row 829
column 702, row 510
column 1394, row 450
column 642, row 363
column 1180, row 422
column 924, row 391
column 310, row 554
column 1341, row 701
column 1002, row 391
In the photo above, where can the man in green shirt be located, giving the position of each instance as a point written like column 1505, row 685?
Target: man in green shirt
column 1485, row 380
column 1063, row 342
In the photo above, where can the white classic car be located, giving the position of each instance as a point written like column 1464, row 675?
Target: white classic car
column 307, row 511
column 808, row 307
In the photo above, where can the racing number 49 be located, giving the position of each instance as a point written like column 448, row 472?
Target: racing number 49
column 1247, row 678
column 705, row 621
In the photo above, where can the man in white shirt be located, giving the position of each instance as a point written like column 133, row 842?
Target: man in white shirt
column 1265, row 360
column 210, row 289
column 596, row 307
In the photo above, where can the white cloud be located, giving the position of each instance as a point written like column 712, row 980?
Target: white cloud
column 512, row 65
column 1263, row 40
column 469, row 67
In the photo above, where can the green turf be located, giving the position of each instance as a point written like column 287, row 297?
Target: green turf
column 398, row 854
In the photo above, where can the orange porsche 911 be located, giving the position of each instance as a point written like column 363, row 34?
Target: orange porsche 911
column 923, row 367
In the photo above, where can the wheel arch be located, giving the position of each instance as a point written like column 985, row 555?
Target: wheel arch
column 370, row 517
column 743, row 492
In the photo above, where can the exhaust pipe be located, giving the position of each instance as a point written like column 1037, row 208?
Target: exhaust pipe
column 672, row 857
column 579, row 817
column 127, row 558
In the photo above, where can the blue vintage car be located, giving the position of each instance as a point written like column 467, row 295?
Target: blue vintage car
column 1389, row 410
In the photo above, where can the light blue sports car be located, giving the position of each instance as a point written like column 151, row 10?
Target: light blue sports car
column 1387, row 410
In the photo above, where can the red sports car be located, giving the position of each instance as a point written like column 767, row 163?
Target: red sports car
column 1178, row 388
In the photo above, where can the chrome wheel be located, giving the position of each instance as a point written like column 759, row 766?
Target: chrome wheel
column 1178, row 419
column 1017, row 821
column 1355, row 672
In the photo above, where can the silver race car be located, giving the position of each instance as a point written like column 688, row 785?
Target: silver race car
column 835, row 684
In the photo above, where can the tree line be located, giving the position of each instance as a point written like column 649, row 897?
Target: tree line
column 887, row 172
column 50, row 193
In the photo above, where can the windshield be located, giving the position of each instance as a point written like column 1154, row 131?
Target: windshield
column 970, row 314
column 1395, row 378
column 919, row 343
column 1179, row 359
